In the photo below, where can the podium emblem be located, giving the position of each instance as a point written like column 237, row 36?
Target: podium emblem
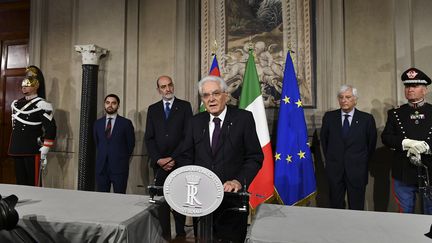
column 193, row 191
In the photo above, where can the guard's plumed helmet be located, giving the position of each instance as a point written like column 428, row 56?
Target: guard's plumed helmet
column 35, row 78
column 30, row 82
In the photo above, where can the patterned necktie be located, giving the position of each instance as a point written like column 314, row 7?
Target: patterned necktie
column 167, row 110
column 345, row 126
column 216, row 133
column 108, row 128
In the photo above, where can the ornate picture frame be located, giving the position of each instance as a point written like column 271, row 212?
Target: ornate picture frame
column 271, row 28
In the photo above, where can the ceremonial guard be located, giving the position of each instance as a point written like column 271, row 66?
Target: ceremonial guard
column 408, row 131
column 33, row 128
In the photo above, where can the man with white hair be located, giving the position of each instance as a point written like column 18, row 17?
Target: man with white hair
column 224, row 140
column 348, row 139
column 408, row 133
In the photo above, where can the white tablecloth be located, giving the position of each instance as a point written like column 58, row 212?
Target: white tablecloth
column 276, row 223
column 58, row 215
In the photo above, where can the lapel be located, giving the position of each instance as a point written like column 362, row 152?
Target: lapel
column 161, row 111
column 115, row 126
column 102, row 126
column 339, row 122
column 206, row 133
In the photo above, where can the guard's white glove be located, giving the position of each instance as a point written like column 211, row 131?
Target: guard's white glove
column 421, row 147
column 414, row 156
column 408, row 143
column 44, row 152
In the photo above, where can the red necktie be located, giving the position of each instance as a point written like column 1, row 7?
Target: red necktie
column 108, row 128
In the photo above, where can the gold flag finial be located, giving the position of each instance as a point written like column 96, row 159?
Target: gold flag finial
column 250, row 44
column 290, row 48
column 214, row 47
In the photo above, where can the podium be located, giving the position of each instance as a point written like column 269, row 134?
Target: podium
column 197, row 192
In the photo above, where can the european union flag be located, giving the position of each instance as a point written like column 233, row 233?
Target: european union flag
column 294, row 171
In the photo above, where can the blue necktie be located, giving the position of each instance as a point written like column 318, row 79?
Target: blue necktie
column 345, row 126
column 167, row 110
column 216, row 133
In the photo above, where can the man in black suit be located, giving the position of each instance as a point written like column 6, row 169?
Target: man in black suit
column 165, row 128
column 114, row 137
column 224, row 140
column 348, row 138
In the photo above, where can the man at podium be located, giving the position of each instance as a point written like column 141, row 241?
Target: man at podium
column 224, row 140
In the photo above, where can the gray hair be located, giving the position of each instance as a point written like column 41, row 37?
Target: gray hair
column 206, row 79
column 347, row 87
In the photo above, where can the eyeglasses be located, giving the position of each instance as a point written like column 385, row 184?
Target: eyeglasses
column 215, row 94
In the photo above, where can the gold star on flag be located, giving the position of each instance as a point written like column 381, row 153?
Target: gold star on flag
column 308, row 144
column 289, row 158
column 299, row 103
column 286, row 100
column 277, row 156
column 301, row 154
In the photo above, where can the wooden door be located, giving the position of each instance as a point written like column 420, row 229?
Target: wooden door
column 14, row 34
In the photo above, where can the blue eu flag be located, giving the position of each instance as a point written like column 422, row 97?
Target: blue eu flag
column 294, row 172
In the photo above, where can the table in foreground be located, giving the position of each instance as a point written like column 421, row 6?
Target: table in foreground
column 58, row 215
column 276, row 223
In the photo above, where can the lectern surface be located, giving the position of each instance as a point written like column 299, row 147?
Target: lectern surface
column 58, row 215
column 276, row 223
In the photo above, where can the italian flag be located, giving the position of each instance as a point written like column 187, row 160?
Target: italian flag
column 262, row 187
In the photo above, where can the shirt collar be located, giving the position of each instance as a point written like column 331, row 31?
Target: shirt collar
column 417, row 104
column 113, row 116
column 221, row 115
column 171, row 101
column 30, row 97
column 351, row 113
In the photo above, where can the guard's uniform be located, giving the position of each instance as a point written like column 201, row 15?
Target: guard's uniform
column 410, row 122
column 408, row 131
column 32, row 121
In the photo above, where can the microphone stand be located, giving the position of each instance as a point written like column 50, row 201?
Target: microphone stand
column 156, row 190
column 205, row 224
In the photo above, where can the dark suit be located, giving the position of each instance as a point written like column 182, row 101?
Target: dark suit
column 238, row 156
column 162, row 138
column 346, row 159
column 113, row 154
column 400, row 125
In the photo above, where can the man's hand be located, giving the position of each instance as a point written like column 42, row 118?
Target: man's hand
column 421, row 147
column 232, row 186
column 44, row 152
column 166, row 163
column 408, row 143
